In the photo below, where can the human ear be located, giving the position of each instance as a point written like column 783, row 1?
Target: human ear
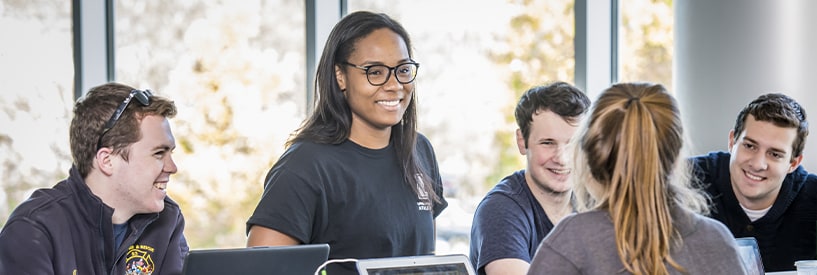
column 731, row 139
column 795, row 162
column 340, row 77
column 520, row 142
column 104, row 160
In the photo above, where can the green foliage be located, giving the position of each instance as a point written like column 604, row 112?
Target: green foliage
column 538, row 50
column 35, row 105
column 228, row 70
column 646, row 50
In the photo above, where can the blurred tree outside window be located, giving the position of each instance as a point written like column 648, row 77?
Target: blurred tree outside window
column 36, row 97
column 646, row 41
column 236, row 70
column 538, row 49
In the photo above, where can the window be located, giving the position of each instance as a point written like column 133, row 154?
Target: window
column 236, row 70
column 37, row 78
column 646, row 41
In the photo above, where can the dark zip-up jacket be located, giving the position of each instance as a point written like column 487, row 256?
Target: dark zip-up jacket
column 68, row 230
column 787, row 233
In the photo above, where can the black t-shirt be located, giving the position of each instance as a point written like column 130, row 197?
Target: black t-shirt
column 352, row 198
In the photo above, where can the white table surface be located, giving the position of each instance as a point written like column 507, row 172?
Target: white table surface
column 782, row 273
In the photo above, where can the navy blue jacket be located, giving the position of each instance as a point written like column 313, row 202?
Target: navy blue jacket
column 787, row 233
column 68, row 230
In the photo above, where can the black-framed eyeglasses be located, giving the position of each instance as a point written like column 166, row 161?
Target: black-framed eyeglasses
column 379, row 74
column 142, row 96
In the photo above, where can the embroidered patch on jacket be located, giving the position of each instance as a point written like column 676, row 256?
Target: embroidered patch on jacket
column 139, row 260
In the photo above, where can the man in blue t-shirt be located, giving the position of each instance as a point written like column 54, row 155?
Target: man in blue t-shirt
column 759, row 189
column 518, row 213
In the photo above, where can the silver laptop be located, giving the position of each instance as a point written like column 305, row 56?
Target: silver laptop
column 269, row 260
column 457, row 264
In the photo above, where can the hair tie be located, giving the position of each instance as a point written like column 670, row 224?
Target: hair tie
column 630, row 101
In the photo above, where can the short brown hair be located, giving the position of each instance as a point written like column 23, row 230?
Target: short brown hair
column 561, row 98
column 95, row 108
column 782, row 111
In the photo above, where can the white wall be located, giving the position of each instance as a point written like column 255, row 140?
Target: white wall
column 728, row 52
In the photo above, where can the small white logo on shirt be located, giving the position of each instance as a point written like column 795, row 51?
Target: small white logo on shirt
column 423, row 204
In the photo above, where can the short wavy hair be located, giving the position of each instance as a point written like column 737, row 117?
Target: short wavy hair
column 95, row 108
column 561, row 98
column 780, row 110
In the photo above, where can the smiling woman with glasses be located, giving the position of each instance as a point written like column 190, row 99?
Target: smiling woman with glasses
column 358, row 157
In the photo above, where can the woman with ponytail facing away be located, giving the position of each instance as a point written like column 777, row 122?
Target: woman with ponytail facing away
column 640, row 216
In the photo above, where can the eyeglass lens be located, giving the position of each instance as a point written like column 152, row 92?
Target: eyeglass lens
column 379, row 74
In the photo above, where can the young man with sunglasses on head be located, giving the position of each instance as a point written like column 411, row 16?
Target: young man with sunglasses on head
column 759, row 189
column 111, row 215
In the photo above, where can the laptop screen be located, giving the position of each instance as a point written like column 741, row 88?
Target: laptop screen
column 272, row 260
column 750, row 255
column 417, row 265
column 448, row 269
